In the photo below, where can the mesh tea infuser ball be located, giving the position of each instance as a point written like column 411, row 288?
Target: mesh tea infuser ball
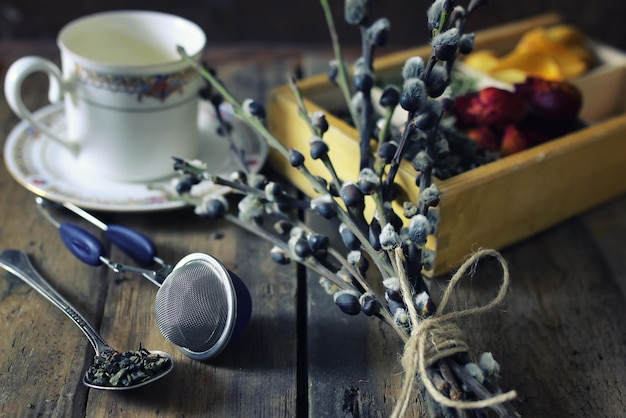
column 201, row 306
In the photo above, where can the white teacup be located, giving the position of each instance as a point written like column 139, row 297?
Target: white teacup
column 131, row 102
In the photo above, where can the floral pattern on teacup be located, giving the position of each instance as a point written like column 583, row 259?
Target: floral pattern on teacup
column 159, row 86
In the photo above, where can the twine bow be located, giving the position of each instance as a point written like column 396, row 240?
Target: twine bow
column 438, row 336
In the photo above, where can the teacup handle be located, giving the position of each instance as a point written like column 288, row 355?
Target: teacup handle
column 15, row 76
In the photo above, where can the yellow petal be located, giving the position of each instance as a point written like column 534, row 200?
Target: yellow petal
column 555, row 53
column 482, row 60
column 532, row 40
column 511, row 75
column 531, row 64
column 566, row 35
column 571, row 64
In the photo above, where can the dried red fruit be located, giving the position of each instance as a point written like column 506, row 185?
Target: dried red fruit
column 513, row 140
column 490, row 106
column 551, row 101
column 536, row 111
column 485, row 137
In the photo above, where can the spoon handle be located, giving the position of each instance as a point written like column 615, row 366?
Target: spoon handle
column 17, row 263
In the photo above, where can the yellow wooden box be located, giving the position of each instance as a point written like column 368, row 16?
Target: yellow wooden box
column 502, row 202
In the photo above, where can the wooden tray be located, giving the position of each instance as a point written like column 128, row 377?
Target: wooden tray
column 502, row 202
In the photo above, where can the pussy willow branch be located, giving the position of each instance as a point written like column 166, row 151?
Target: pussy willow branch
column 365, row 129
column 378, row 257
column 302, row 111
column 272, row 141
column 445, row 369
column 309, row 262
column 304, row 114
column 244, row 189
column 395, row 162
column 363, row 120
column 253, row 121
column 382, row 137
column 343, row 80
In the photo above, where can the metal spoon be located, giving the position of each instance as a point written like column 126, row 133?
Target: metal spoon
column 17, row 263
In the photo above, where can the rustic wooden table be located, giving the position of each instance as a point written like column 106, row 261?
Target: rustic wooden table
column 560, row 337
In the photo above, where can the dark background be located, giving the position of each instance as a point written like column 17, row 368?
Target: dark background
column 301, row 21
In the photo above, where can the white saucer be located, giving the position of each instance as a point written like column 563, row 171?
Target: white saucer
column 45, row 168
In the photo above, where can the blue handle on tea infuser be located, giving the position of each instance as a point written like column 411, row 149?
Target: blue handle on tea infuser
column 88, row 248
column 134, row 244
column 85, row 246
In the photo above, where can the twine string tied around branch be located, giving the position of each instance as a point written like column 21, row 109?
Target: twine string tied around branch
column 437, row 337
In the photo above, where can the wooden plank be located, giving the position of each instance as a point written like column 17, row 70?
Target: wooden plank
column 607, row 229
column 561, row 336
